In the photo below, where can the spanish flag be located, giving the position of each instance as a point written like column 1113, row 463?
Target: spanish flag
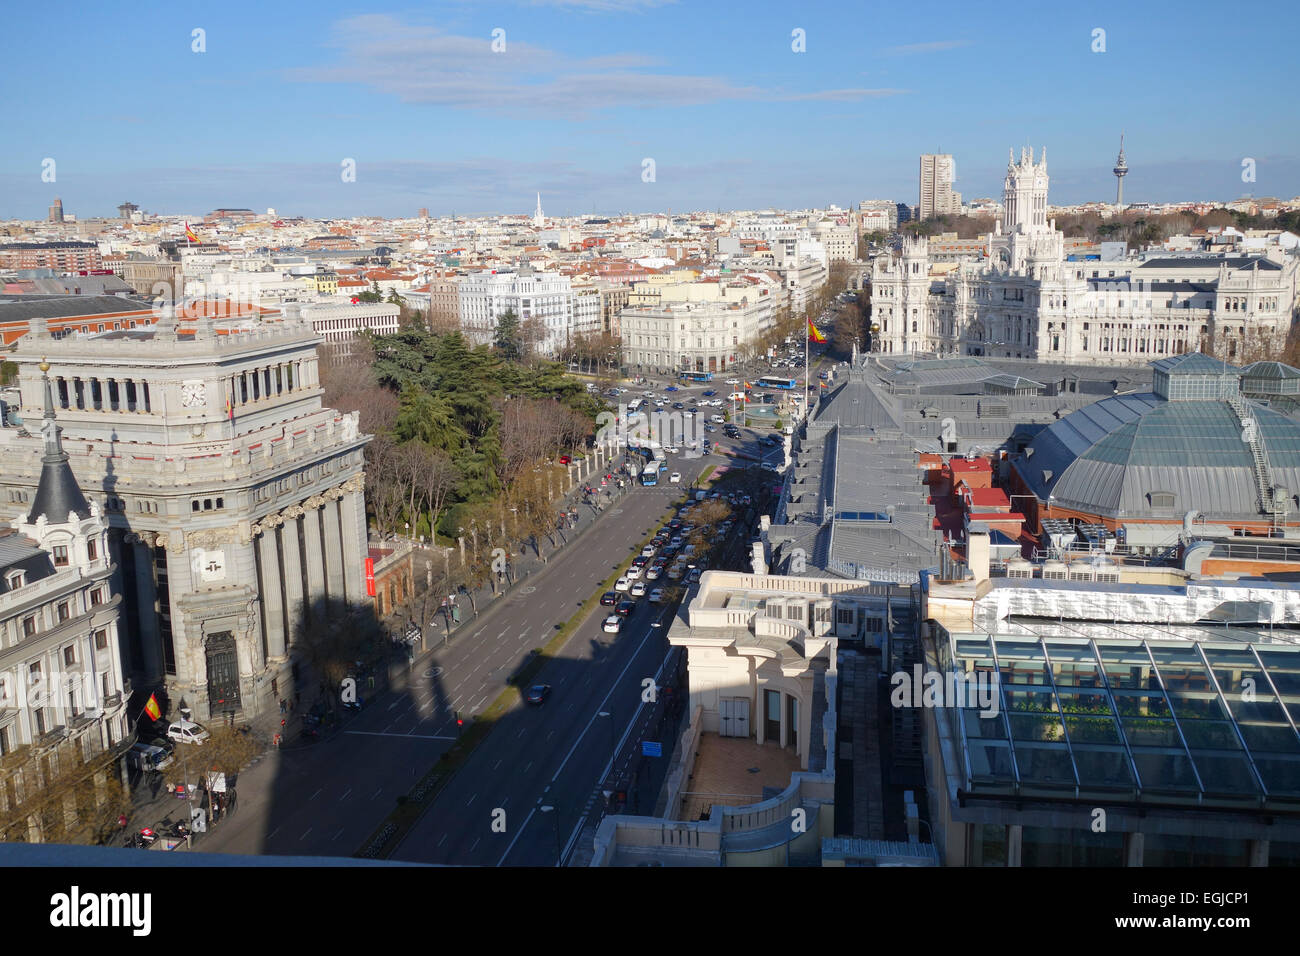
column 230, row 409
column 190, row 234
column 814, row 334
column 152, row 708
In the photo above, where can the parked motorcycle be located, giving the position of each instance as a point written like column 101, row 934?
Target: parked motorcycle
column 141, row 839
column 178, row 830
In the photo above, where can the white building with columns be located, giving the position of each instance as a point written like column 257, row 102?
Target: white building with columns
column 1027, row 299
column 233, row 499
column 546, row 299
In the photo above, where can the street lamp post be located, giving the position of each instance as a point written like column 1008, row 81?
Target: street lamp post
column 613, row 754
column 559, row 850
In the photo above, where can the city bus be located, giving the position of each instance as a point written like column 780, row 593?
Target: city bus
column 775, row 381
column 634, row 406
column 697, row 376
column 650, row 477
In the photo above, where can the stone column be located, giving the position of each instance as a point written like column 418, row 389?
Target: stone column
column 292, row 572
column 333, row 549
column 146, row 603
column 784, row 740
column 355, row 545
column 314, row 558
column 272, row 604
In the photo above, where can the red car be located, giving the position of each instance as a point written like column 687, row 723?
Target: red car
column 565, row 459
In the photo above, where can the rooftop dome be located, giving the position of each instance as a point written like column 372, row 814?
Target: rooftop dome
column 1143, row 455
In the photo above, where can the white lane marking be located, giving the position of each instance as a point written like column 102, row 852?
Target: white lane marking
column 339, row 834
column 316, row 794
column 497, row 766
column 345, row 794
column 373, row 733
column 273, row 833
column 471, row 799
column 304, row 836
column 443, row 840
column 376, row 793
column 471, row 849
column 393, row 704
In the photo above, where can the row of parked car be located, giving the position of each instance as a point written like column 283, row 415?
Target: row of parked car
column 155, row 750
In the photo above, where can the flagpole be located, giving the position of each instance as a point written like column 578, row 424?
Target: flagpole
column 807, row 348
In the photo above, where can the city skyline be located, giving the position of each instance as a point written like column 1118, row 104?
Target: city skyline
column 580, row 95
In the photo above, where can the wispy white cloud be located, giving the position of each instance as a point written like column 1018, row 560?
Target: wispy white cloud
column 421, row 64
column 933, row 46
column 603, row 6
column 847, row 94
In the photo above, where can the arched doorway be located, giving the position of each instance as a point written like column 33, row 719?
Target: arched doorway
column 223, row 673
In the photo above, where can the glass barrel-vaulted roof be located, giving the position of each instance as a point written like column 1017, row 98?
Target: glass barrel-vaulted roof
column 1167, row 721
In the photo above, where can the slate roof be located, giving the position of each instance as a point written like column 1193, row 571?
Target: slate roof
column 64, row 307
column 1108, row 457
column 1193, row 363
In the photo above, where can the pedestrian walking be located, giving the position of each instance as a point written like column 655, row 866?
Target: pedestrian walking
column 284, row 705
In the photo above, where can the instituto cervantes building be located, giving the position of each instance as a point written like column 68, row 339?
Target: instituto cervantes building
column 233, row 499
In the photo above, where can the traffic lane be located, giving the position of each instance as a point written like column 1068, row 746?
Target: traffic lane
column 508, row 771
column 341, row 811
column 575, row 788
column 288, row 810
column 565, row 588
column 525, row 746
column 570, row 784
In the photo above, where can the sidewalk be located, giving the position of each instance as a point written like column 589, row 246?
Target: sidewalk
column 524, row 561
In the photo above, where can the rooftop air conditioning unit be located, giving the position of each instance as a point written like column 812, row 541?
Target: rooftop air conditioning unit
column 1054, row 571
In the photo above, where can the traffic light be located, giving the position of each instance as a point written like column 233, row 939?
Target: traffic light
column 460, row 721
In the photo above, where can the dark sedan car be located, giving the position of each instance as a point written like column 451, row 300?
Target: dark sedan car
column 609, row 599
column 538, row 693
column 625, row 608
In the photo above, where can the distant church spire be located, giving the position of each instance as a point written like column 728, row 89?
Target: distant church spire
column 57, row 494
column 539, row 219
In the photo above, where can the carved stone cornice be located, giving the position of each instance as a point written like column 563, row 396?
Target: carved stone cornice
column 314, row 502
column 211, row 538
column 354, row 484
column 147, row 538
column 292, row 513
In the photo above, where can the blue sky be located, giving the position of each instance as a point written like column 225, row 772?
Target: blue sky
column 586, row 90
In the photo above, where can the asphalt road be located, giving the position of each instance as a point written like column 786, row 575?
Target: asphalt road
column 328, row 798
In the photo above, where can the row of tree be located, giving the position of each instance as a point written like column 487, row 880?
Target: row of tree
column 1136, row 227
column 456, row 425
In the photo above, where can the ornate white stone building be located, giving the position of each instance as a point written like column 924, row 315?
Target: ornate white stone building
column 546, row 297
column 1027, row 299
column 233, row 498
column 63, row 687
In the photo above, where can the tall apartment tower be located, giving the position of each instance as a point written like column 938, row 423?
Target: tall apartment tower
column 937, row 196
column 56, row 210
column 233, row 499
